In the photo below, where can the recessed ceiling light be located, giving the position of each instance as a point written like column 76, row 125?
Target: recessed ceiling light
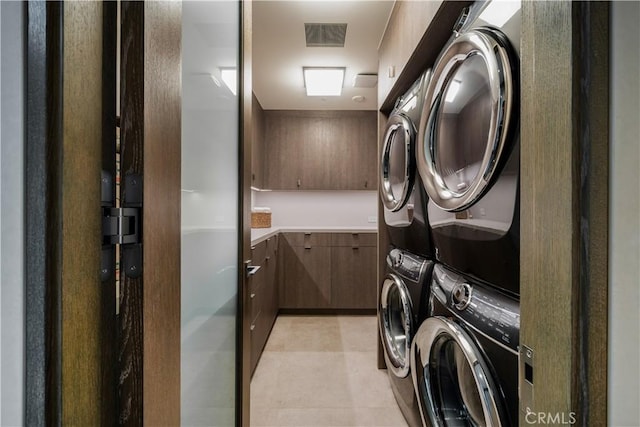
column 323, row 81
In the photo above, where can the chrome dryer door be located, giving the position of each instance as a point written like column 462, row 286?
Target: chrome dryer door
column 468, row 118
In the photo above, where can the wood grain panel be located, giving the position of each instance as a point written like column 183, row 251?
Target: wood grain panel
column 161, row 226
column 415, row 34
column 563, row 199
column 407, row 23
column 352, row 240
column 109, row 351
column 594, row 136
column 324, row 150
column 306, row 281
column 42, row 209
column 549, row 233
column 81, row 238
column 130, row 332
column 257, row 144
column 353, row 277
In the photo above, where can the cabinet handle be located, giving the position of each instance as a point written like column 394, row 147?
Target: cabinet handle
column 267, row 258
column 252, row 270
column 253, row 326
column 298, row 183
column 307, row 240
column 253, row 296
column 366, row 184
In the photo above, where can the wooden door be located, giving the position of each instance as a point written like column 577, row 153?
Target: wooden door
column 564, row 197
column 72, row 344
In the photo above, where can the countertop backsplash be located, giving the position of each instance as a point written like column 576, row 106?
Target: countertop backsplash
column 319, row 209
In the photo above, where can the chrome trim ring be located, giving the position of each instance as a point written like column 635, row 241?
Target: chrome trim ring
column 398, row 122
column 496, row 56
column 397, row 362
column 430, row 332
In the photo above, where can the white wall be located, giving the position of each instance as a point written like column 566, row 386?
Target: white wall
column 320, row 208
column 624, row 255
column 11, row 216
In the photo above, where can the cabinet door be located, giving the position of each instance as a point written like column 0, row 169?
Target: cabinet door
column 353, row 277
column 257, row 144
column 283, row 142
column 353, row 151
column 306, row 277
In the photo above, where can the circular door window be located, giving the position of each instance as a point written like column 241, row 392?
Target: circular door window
column 397, row 167
column 468, row 119
column 453, row 383
column 396, row 325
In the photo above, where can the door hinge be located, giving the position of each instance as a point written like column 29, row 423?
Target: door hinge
column 121, row 226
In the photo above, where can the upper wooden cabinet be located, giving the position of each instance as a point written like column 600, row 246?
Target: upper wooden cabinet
column 320, row 150
column 257, row 146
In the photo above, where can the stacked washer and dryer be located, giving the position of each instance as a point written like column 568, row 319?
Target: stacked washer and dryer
column 457, row 342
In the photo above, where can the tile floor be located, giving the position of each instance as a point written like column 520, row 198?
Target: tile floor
column 322, row 371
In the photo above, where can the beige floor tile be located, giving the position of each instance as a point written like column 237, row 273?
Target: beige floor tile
column 369, row 385
column 263, row 417
column 316, row 417
column 306, row 376
column 358, row 333
column 264, row 383
column 312, row 380
column 305, row 333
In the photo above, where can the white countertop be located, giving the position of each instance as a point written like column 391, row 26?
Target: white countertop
column 260, row 234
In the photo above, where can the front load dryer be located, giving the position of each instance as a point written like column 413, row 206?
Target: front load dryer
column 465, row 355
column 468, row 149
column 403, row 197
column 404, row 289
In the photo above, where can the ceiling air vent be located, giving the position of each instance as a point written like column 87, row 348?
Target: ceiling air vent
column 325, row 35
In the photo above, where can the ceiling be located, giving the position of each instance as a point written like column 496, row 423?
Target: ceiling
column 280, row 52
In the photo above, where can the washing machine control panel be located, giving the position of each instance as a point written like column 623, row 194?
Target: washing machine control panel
column 406, row 264
column 481, row 308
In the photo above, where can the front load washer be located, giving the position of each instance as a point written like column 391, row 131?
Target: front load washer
column 468, row 150
column 465, row 356
column 403, row 197
column 401, row 311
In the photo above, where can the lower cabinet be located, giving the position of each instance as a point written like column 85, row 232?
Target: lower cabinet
column 353, row 277
column 309, row 271
column 263, row 296
column 306, row 271
column 328, row 271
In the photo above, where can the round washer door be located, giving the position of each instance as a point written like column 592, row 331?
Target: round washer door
column 468, row 118
column 453, row 384
column 397, row 165
column 396, row 325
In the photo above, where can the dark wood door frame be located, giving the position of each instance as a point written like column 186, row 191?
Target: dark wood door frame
column 243, row 315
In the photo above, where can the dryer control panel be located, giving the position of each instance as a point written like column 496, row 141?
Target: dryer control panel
column 407, row 265
column 481, row 308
